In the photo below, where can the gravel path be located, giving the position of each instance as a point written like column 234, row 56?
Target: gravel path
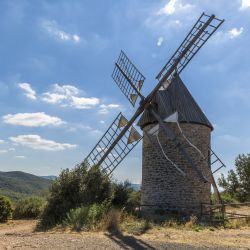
column 20, row 235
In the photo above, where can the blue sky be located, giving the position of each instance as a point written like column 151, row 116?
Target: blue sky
column 56, row 92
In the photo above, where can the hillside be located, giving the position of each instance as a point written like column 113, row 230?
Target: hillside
column 17, row 184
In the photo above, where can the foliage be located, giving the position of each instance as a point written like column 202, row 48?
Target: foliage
column 75, row 188
column 134, row 201
column 76, row 218
column 5, row 209
column 237, row 183
column 19, row 185
column 125, row 197
column 29, row 208
column 121, row 192
column 226, row 198
column 86, row 217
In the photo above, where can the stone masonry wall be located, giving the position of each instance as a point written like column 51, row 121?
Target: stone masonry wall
column 162, row 184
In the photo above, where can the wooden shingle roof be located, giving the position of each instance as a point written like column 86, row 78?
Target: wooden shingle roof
column 176, row 98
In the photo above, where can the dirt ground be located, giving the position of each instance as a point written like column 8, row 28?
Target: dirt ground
column 21, row 235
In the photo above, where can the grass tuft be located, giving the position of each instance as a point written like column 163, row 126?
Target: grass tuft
column 111, row 221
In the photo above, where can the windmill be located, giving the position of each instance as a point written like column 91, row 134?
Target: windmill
column 177, row 157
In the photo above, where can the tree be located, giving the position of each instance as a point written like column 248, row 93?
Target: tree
column 74, row 188
column 121, row 194
column 5, row 209
column 237, row 183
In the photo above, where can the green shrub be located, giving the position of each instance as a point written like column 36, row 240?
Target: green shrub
column 125, row 197
column 5, row 209
column 86, row 217
column 121, row 194
column 227, row 198
column 29, row 208
column 134, row 201
column 74, row 188
column 77, row 218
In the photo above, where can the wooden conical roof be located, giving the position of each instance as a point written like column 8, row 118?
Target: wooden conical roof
column 176, row 98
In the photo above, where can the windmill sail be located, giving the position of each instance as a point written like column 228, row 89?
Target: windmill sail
column 122, row 121
column 203, row 29
column 113, row 149
column 172, row 118
column 128, row 78
column 133, row 136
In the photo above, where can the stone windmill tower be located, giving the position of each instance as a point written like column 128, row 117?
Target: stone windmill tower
column 162, row 185
column 176, row 172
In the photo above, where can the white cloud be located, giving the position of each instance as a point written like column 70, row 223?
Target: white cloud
column 233, row 33
column 53, row 28
column 68, row 90
column 20, row 157
column 1, row 141
column 53, row 98
column 160, row 21
column 39, row 119
column 3, row 151
column 221, row 37
column 38, row 143
column 174, row 6
column 69, row 95
column 84, row 103
column 76, row 38
column 29, row 92
column 245, row 4
column 102, row 122
column 160, row 41
column 11, row 149
column 169, row 8
column 60, row 93
column 105, row 108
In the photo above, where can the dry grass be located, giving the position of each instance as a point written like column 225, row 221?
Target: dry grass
column 134, row 225
column 239, row 209
column 238, row 223
column 20, row 234
column 111, row 221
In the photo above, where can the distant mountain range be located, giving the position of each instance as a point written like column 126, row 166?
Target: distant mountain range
column 49, row 177
column 17, row 184
column 136, row 187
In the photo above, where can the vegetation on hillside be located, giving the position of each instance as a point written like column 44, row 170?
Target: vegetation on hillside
column 18, row 185
column 29, row 208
